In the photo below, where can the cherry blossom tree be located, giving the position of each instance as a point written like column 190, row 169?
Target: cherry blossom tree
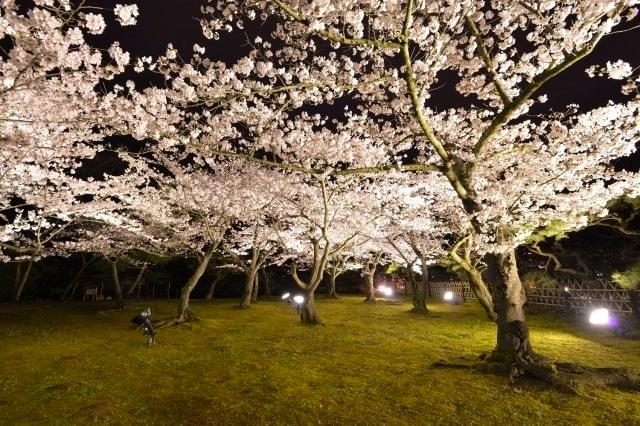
column 336, row 267
column 322, row 227
column 255, row 240
column 512, row 174
column 502, row 165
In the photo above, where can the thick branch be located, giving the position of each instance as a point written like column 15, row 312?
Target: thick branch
column 488, row 62
column 557, row 265
column 427, row 130
column 554, row 69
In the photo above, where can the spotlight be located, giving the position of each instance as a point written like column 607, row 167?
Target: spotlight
column 385, row 290
column 566, row 289
column 599, row 316
column 448, row 296
column 298, row 299
column 286, row 296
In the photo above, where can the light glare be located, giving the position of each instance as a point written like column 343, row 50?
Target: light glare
column 599, row 316
column 448, row 296
column 385, row 290
column 298, row 299
column 285, row 296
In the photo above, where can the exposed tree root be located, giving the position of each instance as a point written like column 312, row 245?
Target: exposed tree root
column 446, row 364
column 186, row 316
column 569, row 377
column 575, row 377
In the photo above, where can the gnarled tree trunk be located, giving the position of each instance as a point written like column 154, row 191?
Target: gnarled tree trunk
column 512, row 344
column 477, row 284
column 331, row 289
column 371, row 290
column 184, row 313
column 308, row 314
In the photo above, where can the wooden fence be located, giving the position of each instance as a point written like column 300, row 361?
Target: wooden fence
column 564, row 295
column 460, row 289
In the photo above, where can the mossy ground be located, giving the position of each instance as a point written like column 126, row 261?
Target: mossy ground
column 370, row 364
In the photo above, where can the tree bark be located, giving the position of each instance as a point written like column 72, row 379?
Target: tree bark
column 420, row 292
column 136, row 283
column 266, row 281
column 478, row 286
column 212, row 287
column 426, row 284
column 513, row 344
column 331, row 291
column 308, row 314
column 245, row 301
column 23, row 281
column 116, row 284
column 256, row 287
column 371, row 290
column 184, row 313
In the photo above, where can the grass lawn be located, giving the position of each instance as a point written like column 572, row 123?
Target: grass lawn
column 79, row 364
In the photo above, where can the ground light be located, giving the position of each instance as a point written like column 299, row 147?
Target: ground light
column 599, row 316
column 448, row 296
column 385, row 290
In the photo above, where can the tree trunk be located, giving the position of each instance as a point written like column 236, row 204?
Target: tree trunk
column 308, row 314
column 420, row 291
column 512, row 345
column 17, row 278
column 136, row 283
column 23, row 281
column 184, row 313
column 245, row 301
column 212, row 287
column 331, row 292
column 73, row 284
column 266, row 282
column 371, row 290
column 116, row 284
column 256, row 285
column 426, row 284
column 482, row 293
